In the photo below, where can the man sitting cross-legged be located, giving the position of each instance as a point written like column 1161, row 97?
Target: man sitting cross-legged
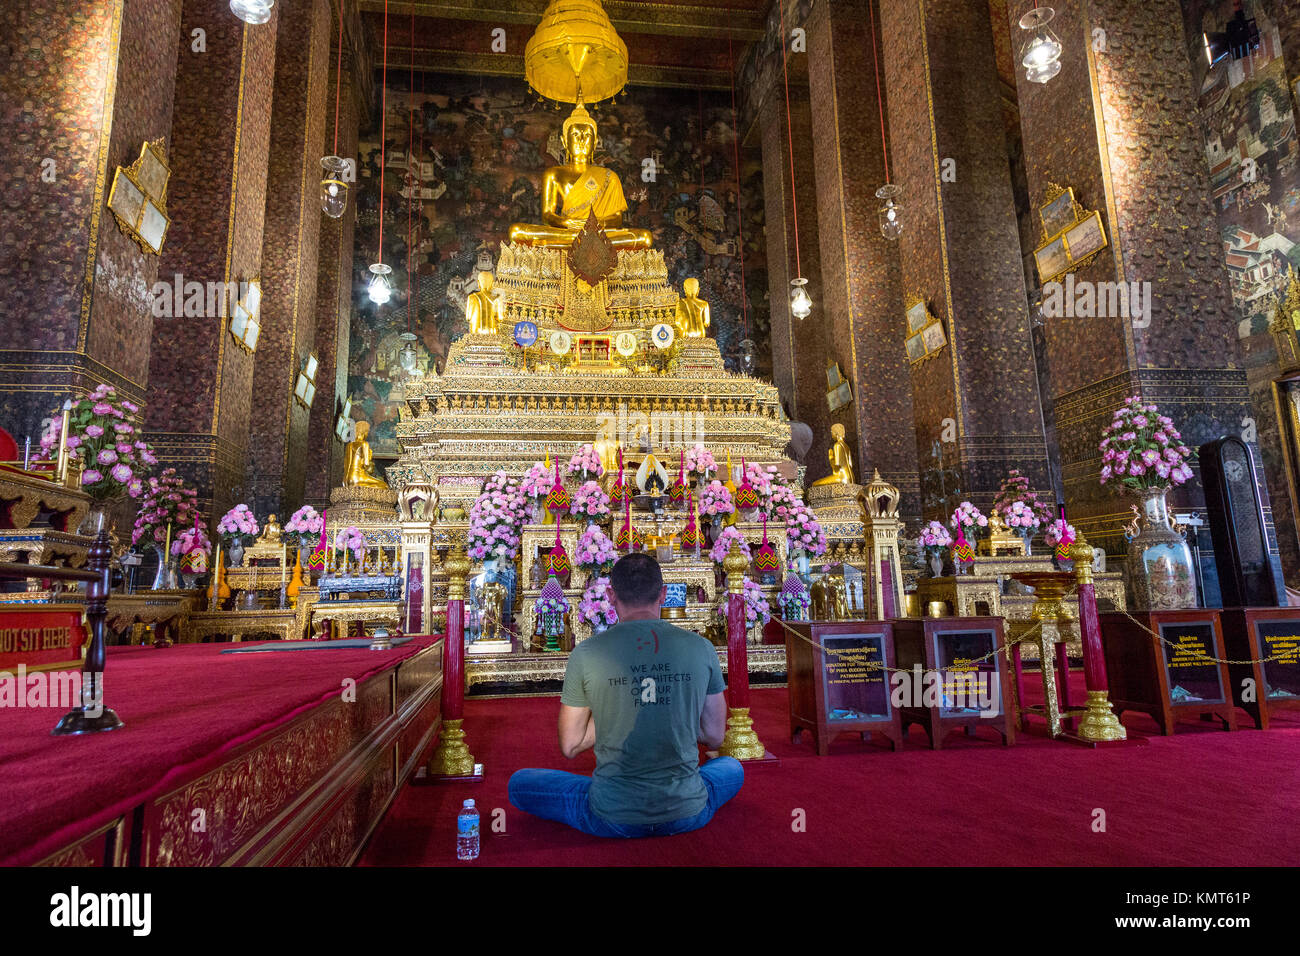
column 643, row 694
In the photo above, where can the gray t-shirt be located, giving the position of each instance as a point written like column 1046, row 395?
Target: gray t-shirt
column 645, row 682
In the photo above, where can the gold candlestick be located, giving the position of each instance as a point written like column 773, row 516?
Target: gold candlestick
column 284, row 560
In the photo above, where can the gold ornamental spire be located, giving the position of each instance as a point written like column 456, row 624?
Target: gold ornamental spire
column 575, row 54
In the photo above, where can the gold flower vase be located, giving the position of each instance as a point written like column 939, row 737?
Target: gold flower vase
column 1158, row 574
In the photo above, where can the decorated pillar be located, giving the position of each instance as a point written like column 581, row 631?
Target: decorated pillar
column 1100, row 722
column 452, row 758
column 201, row 366
column 862, row 300
column 86, row 86
column 974, row 387
column 286, row 367
column 880, row 529
column 1153, row 311
column 740, row 741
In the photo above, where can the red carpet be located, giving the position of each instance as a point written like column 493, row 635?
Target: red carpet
column 1202, row 797
column 183, row 707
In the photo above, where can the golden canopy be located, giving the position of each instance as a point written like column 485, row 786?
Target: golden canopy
column 575, row 53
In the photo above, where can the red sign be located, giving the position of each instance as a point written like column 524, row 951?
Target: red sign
column 40, row 635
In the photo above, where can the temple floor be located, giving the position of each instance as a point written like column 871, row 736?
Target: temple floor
column 1201, row 797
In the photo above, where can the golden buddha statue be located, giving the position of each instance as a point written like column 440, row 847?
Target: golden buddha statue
column 840, row 458
column 270, row 532
column 692, row 312
column 492, row 601
column 573, row 191
column 358, row 462
column 606, row 448
column 828, row 598
column 482, row 312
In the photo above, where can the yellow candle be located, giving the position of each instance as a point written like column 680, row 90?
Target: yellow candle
column 167, row 547
column 216, row 572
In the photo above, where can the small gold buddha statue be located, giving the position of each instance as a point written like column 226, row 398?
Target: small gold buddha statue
column 828, row 598
column 358, row 462
column 840, row 458
column 270, row 532
column 692, row 316
column 573, row 191
column 492, row 598
column 482, row 312
column 606, row 449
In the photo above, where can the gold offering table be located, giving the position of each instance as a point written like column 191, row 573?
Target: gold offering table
column 167, row 612
column 980, row 593
column 284, row 623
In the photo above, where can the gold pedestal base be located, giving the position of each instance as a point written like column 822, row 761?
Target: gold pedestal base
column 451, row 758
column 740, row 741
column 1100, row 722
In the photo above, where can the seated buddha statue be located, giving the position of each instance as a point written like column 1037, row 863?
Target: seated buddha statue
column 692, row 318
column 482, row 312
column 270, row 531
column 358, row 462
column 573, row 191
column 840, row 458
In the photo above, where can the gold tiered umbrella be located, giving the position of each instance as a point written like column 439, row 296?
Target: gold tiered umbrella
column 575, row 54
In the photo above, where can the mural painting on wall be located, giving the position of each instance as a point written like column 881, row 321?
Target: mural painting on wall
column 481, row 148
column 1254, row 161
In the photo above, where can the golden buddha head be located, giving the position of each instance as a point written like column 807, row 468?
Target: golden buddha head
column 485, row 282
column 579, row 135
column 837, row 431
column 363, row 429
column 691, row 287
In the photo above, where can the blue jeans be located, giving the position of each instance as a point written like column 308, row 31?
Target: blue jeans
column 560, row 795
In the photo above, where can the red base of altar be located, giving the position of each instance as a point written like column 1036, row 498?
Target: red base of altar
column 249, row 759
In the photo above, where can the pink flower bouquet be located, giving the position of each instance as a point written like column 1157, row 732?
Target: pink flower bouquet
column 306, row 524
column 715, row 500
column 722, row 547
column 1142, row 449
column 590, row 502
column 969, row 519
column 239, row 524
column 585, row 462
column 166, row 500
column 803, row 533
column 596, row 607
column 699, row 461
column 595, row 552
column 104, row 433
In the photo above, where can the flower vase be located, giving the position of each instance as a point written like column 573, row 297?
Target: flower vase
column 1158, row 574
column 936, row 564
column 160, row 579
column 236, row 552
column 1028, row 538
column 191, row 581
column 295, row 583
column 802, row 564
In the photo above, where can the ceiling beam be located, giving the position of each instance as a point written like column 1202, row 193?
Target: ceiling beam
column 628, row 16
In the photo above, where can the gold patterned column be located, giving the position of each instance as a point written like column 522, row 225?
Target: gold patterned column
column 740, row 741
column 452, row 758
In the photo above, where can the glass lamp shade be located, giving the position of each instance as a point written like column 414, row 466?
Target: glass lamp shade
column 380, row 289
column 333, row 190
column 747, row 356
column 1041, row 53
column 252, row 11
column 407, row 354
column 891, row 211
column 800, row 304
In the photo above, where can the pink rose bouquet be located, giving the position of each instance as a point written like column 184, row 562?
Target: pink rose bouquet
column 969, row 519
column 590, row 502
column 803, row 533
column 537, row 481
column 715, row 500
column 757, row 611
column 722, row 547
column 699, row 461
column 239, row 524
column 780, row 501
column 585, row 462
column 1142, row 449
column 351, row 539
column 597, row 607
column 595, row 552
column 1059, row 534
column 496, row 522
column 306, row 524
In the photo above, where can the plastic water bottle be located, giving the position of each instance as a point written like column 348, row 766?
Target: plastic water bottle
column 467, row 832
